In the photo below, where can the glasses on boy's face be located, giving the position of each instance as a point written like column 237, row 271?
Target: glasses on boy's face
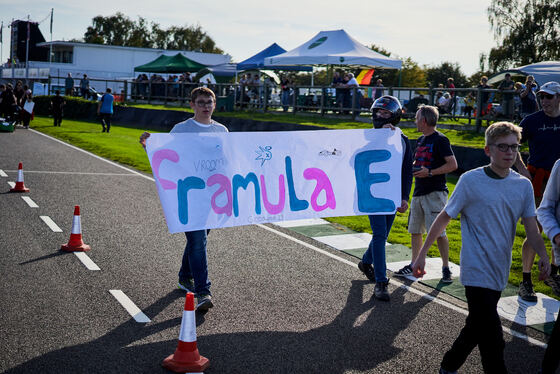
column 503, row 147
column 202, row 104
column 546, row 96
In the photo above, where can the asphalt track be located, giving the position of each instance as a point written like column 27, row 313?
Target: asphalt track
column 284, row 303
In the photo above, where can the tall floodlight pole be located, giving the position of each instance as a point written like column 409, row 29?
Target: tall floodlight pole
column 1, row 41
column 12, row 62
column 50, row 52
column 27, row 50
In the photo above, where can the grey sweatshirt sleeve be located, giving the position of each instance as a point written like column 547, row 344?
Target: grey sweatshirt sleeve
column 548, row 213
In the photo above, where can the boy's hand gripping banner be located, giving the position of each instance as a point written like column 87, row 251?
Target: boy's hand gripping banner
column 210, row 180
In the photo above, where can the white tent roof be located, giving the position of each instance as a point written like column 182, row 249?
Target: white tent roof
column 333, row 48
column 543, row 72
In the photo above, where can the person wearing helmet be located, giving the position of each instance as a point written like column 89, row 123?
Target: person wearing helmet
column 386, row 113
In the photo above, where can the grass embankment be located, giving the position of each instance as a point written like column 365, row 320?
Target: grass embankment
column 122, row 146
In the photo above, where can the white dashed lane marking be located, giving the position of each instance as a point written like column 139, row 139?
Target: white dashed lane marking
column 12, row 184
column 88, row 263
column 130, row 307
column 30, row 202
column 53, row 226
column 2, row 174
column 74, row 173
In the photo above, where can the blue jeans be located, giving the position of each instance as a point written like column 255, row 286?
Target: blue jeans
column 195, row 262
column 285, row 100
column 375, row 254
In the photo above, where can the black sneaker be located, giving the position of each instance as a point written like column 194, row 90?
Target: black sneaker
column 403, row 272
column 204, row 303
column 368, row 270
column 554, row 282
column 446, row 275
column 526, row 292
column 380, row 291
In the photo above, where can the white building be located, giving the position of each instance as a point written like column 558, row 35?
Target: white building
column 100, row 61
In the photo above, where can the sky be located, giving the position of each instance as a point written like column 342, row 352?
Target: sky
column 430, row 32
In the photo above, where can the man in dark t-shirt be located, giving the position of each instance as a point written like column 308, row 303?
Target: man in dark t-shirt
column 57, row 105
column 541, row 130
column 432, row 160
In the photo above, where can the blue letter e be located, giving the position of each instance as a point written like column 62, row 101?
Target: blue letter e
column 364, row 179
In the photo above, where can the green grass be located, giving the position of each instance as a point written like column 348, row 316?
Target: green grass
column 122, row 146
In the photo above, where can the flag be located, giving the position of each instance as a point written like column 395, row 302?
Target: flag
column 364, row 78
column 52, row 11
column 1, row 35
column 28, row 29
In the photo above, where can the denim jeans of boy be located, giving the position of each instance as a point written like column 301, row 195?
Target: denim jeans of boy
column 195, row 262
column 375, row 254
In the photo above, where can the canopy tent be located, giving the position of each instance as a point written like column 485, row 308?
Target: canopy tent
column 170, row 64
column 160, row 61
column 543, row 72
column 220, row 73
column 334, row 47
column 257, row 61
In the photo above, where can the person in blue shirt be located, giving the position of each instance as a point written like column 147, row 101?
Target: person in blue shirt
column 105, row 110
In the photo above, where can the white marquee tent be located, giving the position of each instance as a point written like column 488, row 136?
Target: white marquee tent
column 334, row 47
column 543, row 72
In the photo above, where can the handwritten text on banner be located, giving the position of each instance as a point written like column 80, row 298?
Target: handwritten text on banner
column 210, row 180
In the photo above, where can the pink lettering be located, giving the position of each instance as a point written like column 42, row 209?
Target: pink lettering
column 157, row 159
column 225, row 186
column 274, row 208
column 323, row 184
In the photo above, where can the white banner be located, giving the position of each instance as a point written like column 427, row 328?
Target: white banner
column 210, row 180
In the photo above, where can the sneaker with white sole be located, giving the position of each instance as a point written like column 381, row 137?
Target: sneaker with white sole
column 204, row 303
column 186, row 285
column 404, row 271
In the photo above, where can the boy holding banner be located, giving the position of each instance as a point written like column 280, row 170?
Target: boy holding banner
column 193, row 275
column 386, row 112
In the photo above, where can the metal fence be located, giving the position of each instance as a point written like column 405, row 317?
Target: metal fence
column 322, row 100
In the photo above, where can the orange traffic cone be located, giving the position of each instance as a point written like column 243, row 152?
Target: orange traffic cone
column 76, row 244
column 186, row 357
column 20, row 187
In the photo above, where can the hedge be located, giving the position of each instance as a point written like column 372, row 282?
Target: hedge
column 75, row 108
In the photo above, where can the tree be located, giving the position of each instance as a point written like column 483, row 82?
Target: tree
column 112, row 30
column 438, row 74
column 527, row 31
column 120, row 30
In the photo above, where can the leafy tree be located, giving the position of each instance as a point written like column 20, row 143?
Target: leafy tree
column 120, row 30
column 190, row 38
column 527, row 31
column 439, row 74
column 112, row 30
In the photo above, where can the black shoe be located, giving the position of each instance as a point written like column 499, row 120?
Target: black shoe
column 380, row 291
column 204, row 303
column 526, row 292
column 368, row 270
column 554, row 282
column 446, row 275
